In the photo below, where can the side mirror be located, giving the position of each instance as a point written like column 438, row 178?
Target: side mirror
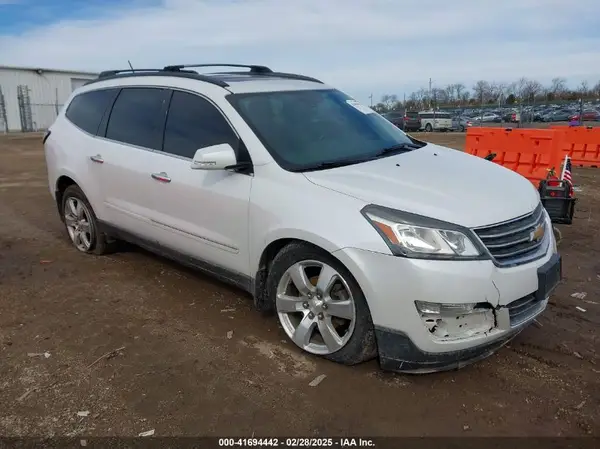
column 216, row 157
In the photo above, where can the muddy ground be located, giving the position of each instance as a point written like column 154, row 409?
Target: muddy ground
column 178, row 373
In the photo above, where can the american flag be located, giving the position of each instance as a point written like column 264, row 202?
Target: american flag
column 567, row 171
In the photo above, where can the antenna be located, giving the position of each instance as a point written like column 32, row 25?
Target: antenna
column 129, row 62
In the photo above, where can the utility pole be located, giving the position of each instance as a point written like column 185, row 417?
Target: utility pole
column 430, row 103
column 371, row 98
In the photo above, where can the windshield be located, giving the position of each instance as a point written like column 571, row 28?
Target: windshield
column 313, row 129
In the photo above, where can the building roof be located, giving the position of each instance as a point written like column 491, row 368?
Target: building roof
column 35, row 69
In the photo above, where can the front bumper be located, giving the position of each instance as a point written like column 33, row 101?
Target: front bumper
column 393, row 284
column 398, row 353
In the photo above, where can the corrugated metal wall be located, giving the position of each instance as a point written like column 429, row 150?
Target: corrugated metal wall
column 48, row 91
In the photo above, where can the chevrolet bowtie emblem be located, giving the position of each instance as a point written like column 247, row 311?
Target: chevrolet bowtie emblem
column 537, row 234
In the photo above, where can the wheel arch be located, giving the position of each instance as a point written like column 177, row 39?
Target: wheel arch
column 62, row 183
column 275, row 244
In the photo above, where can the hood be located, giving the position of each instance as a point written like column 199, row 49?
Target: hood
column 436, row 182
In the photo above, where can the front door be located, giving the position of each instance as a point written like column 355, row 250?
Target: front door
column 201, row 213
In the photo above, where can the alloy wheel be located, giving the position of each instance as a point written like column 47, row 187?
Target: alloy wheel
column 77, row 220
column 316, row 307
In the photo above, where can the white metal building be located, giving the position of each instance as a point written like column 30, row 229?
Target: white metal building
column 30, row 98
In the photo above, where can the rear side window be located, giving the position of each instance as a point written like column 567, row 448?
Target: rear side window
column 138, row 117
column 194, row 123
column 86, row 109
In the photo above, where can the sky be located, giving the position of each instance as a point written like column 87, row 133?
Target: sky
column 363, row 47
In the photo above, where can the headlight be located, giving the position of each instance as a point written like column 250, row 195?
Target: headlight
column 411, row 235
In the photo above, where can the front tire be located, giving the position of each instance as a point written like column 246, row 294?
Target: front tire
column 82, row 225
column 428, row 127
column 320, row 306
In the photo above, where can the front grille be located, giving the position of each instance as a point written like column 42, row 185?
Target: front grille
column 510, row 242
column 523, row 309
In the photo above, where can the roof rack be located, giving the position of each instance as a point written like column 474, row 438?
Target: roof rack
column 183, row 71
column 253, row 68
column 107, row 73
column 292, row 76
column 126, row 73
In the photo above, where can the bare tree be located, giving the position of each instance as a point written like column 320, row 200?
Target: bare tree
column 532, row 89
column 439, row 96
column 584, row 88
column 465, row 96
column 559, row 86
column 451, row 92
column 459, row 88
column 596, row 89
column 482, row 91
column 521, row 88
column 389, row 101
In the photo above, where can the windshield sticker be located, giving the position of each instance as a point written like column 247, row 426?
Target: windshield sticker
column 364, row 109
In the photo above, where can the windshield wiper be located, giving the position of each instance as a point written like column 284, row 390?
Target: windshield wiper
column 333, row 164
column 400, row 148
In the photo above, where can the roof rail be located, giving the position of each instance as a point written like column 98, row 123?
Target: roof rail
column 127, row 73
column 253, row 68
column 106, row 73
column 292, row 76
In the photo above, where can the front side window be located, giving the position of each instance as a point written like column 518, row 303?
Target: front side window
column 87, row 109
column 194, row 123
column 137, row 118
column 313, row 129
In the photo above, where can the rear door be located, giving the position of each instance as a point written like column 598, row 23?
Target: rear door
column 85, row 114
column 132, row 131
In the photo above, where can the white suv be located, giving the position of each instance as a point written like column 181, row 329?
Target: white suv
column 363, row 240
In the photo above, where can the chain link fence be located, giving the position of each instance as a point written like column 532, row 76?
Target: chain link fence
column 21, row 114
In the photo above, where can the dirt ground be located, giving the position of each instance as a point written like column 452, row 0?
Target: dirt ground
column 178, row 372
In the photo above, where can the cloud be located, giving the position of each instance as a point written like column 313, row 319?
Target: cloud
column 362, row 46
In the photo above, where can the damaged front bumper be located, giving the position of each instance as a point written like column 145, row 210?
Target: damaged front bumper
column 398, row 353
column 437, row 315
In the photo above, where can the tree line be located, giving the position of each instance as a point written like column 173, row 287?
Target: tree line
column 522, row 91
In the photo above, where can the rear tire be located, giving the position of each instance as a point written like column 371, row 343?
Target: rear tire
column 82, row 225
column 328, row 314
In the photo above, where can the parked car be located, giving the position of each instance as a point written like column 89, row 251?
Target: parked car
column 461, row 123
column 589, row 115
column 435, row 120
column 405, row 120
column 512, row 117
column 488, row 117
column 557, row 116
column 362, row 240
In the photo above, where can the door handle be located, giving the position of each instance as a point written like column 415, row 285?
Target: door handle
column 97, row 159
column 162, row 177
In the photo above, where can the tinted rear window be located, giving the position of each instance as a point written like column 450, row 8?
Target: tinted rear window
column 138, row 117
column 412, row 114
column 86, row 109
